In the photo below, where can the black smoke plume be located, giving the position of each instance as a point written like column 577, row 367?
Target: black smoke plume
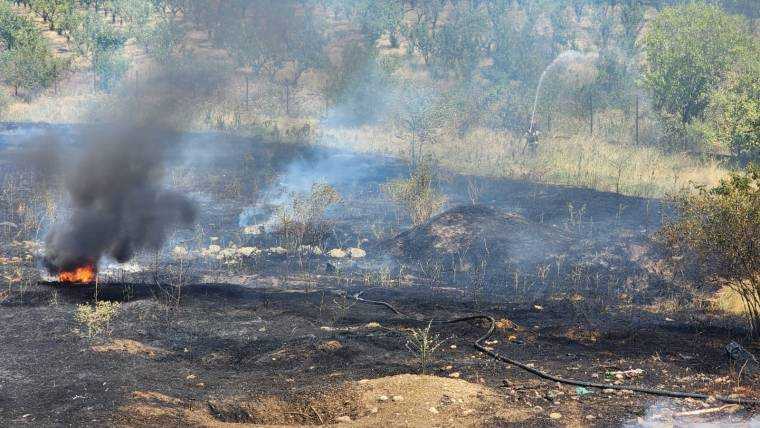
column 119, row 205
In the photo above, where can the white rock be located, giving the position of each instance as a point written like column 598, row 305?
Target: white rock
column 213, row 249
column 357, row 253
column 228, row 253
column 278, row 250
column 180, row 252
column 337, row 253
column 253, row 230
column 397, row 398
column 382, row 398
column 433, row 410
column 555, row 415
column 248, row 251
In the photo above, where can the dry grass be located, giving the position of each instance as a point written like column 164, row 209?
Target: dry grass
column 575, row 160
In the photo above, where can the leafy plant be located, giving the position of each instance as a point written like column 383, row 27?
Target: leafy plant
column 718, row 232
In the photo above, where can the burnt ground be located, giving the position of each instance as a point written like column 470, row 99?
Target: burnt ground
column 276, row 338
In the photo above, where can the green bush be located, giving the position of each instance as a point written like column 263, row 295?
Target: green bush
column 718, row 233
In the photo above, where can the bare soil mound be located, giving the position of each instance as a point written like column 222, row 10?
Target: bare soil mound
column 474, row 236
column 396, row 401
column 421, row 401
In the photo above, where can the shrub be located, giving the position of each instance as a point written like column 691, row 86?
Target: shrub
column 303, row 221
column 96, row 318
column 418, row 194
column 718, row 230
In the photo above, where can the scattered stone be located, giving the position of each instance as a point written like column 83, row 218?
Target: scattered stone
column 555, row 415
column 590, row 417
column 278, row 250
column 227, row 253
column 397, row 398
column 190, row 377
column 345, row 419
column 253, row 230
column 356, row 253
column 453, row 346
column 372, row 325
column 330, row 345
column 468, row 412
column 382, row 398
column 626, row 374
column 608, row 391
column 248, row 251
column 454, row 375
column 213, row 249
column 373, row 410
column 337, row 253
column 180, row 252
column 433, row 410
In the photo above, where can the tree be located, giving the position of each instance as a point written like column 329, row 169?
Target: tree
column 689, row 49
column 735, row 109
column 29, row 65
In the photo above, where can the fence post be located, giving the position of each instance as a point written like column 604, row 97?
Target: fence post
column 591, row 112
column 637, row 119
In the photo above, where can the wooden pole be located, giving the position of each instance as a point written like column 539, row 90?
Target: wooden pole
column 637, row 119
column 591, row 113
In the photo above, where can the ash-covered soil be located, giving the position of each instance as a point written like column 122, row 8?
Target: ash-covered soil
column 259, row 355
column 237, row 322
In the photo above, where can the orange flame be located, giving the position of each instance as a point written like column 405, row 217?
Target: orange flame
column 80, row 275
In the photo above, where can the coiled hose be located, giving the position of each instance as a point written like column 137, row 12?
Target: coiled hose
column 478, row 344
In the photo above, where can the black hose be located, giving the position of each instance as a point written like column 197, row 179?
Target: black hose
column 492, row 326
